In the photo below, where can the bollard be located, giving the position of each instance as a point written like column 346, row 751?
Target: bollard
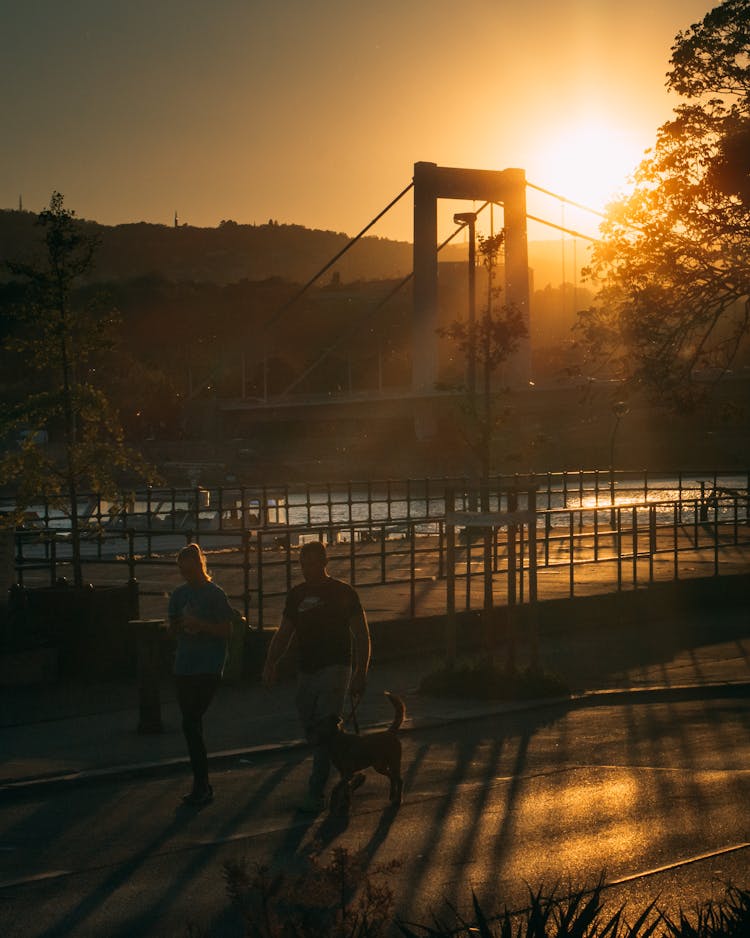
column 149, row 635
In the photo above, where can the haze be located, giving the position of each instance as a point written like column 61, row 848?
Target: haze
column 314, row 113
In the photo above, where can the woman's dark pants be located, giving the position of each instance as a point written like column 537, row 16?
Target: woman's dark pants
column 194, row 694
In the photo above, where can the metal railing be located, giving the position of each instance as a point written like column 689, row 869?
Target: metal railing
column 612, row 545
column 158, row 511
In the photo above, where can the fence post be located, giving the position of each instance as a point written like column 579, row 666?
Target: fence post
column 521, row 529
column 412, row 571
column 716, row 534
column 510, row 658
column 571, row 555
column 259, row 548
column 533, row 611
column 441, row 550
column 53, row 559
column 131, row 554
column 596, row 532
column 487, row 534
column 580, row 499
column 652, row 542
column 98, row 526
column 450, row 585
column 19, row 554
column 148, row 521
column 246, row 535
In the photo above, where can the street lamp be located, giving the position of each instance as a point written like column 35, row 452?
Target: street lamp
column 469, row 220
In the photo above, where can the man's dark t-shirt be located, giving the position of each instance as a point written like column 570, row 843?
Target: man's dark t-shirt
column 320, row 614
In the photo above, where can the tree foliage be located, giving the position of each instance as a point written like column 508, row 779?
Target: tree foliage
column 493, row 337
column 61, row 340
column 674, row 260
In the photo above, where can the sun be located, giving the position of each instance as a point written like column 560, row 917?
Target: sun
column 586, row 163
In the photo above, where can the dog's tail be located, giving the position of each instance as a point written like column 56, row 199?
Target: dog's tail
column 400, row 711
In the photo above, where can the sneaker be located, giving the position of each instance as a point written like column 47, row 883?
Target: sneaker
column 311, row 804
column 198, row 797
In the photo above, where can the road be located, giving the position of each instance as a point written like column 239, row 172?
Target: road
column 653, row 792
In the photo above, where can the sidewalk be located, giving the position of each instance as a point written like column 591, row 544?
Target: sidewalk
column 59, row 735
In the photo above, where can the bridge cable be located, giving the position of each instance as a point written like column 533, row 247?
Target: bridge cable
column 571, row 231
column 367, row 313
column 280, row 312
column 585, row 208
column 562, row 198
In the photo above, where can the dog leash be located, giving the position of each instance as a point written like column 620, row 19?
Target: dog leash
column 353, row 713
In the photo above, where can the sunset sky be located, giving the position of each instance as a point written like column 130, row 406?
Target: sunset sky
column 315, row 112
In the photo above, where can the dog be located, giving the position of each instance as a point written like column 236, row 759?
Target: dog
column 350, row 754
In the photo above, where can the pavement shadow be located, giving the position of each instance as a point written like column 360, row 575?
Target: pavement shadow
column 605, row 652
column 189, row 866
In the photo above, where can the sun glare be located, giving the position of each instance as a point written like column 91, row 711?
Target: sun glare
column 589, row 164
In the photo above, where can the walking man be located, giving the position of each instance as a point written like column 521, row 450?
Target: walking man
column 325, row 617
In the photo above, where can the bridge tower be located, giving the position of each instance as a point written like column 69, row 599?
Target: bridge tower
column 433, row 182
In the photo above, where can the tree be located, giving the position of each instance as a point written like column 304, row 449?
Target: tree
column 60, row 338
column 493, row 337
column 673, row 311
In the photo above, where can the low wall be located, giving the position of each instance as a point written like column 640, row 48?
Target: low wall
column 399, row 638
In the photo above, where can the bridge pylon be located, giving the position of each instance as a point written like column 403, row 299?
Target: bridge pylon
column 433, row 182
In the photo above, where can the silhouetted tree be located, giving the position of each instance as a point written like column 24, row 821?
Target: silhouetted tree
column 59, row 338
column 494, row 336
column 674, row 260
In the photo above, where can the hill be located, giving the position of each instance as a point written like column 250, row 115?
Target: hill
column 232, row 252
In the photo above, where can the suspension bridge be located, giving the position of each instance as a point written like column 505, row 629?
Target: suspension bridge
column 505, row 189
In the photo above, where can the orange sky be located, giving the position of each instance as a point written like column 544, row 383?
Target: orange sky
column 314, row 113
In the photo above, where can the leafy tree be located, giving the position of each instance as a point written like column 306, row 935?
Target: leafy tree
column 60, row 339
column 674, row 260
column 490, row 341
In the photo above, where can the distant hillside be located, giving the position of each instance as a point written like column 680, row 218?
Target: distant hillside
column 233, row 252
column 222, row 255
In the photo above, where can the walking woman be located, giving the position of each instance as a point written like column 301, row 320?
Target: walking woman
column 200, row 617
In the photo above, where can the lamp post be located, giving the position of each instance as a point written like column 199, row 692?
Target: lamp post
column 469, row 220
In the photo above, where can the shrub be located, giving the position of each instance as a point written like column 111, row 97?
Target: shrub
column 483, row 680
column 338, row 899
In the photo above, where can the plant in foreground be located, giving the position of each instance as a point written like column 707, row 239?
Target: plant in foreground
column 580, row 914
column 344, row 898
column 339, row 899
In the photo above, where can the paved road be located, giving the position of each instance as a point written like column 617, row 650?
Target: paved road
column 653, row 791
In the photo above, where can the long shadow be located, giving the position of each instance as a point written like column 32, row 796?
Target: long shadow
column 124, row 872
column 49, row 822
column 504, row 836
column 203, row 857
column 390, row 813
column 334, row 825
column 647, row 728
column 76, row 916
column 481, row 799
column 432, row 836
